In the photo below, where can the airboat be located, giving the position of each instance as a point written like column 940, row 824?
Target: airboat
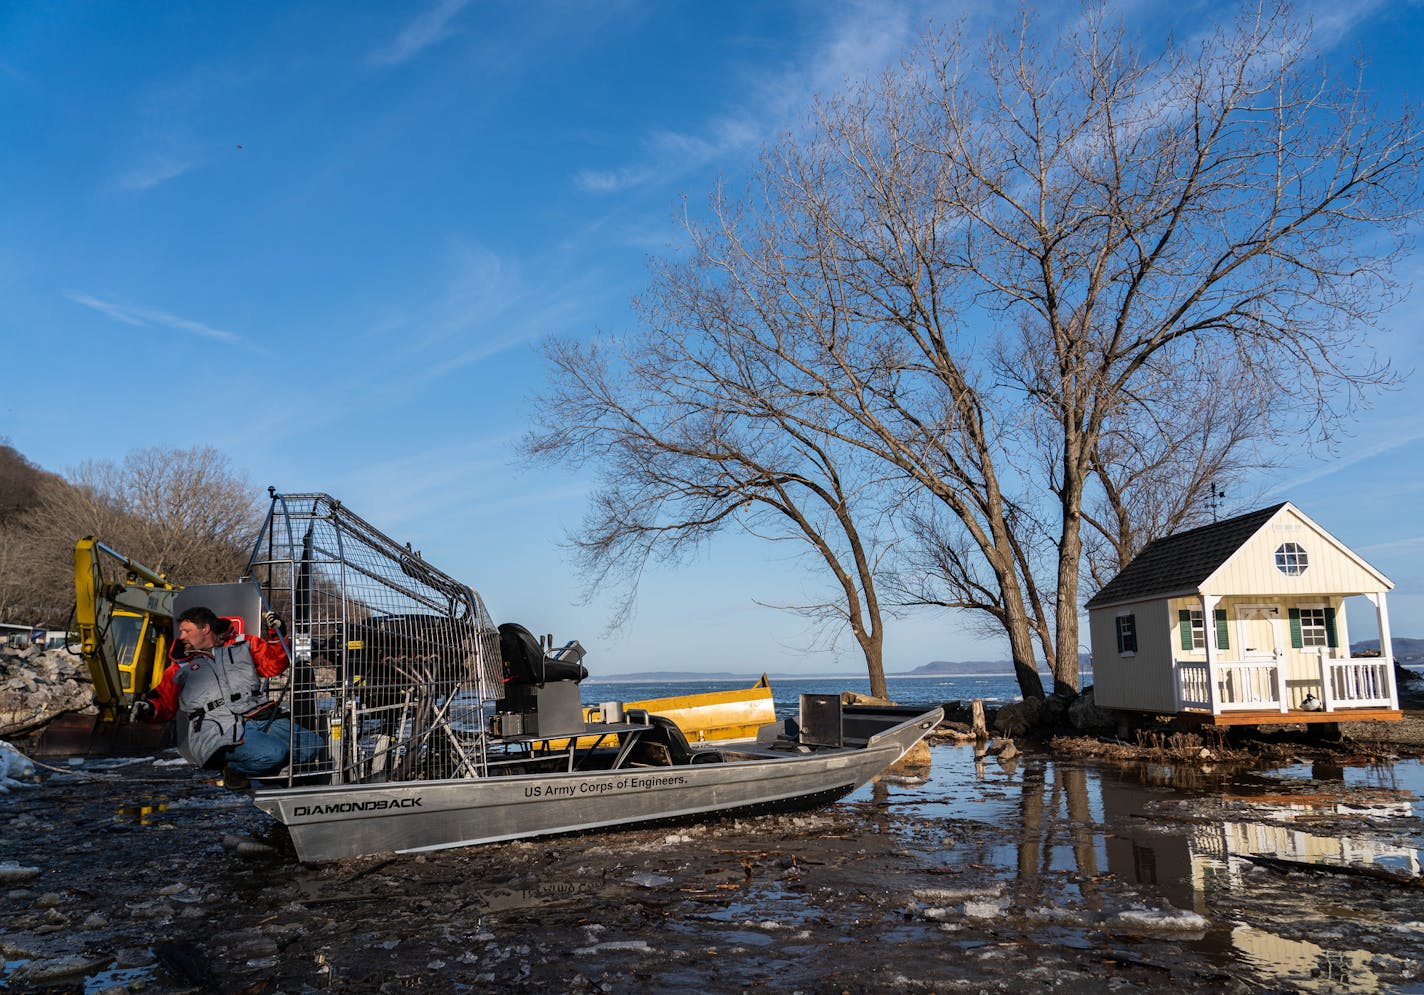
column 442, row 729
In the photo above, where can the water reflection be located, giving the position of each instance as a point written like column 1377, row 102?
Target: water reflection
column 1070, row 835
column 143, row 814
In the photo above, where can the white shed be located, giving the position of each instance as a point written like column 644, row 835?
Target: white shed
column 1242, row 622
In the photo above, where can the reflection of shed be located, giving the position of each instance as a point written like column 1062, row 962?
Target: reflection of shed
column 1242, row 622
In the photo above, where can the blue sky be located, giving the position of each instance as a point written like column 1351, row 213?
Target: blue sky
column 328, row 239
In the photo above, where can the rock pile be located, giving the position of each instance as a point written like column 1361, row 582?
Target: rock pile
column 37, row 686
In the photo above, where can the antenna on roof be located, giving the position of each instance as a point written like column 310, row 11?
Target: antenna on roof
column 1214, row 498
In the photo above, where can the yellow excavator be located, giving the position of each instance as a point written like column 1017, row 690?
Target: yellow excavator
column 125, row 627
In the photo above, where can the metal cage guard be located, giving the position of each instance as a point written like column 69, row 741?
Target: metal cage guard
column 394, row 663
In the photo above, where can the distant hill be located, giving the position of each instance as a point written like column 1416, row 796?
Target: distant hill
column 1406, row 650
column 977, row 668
column 673, row 676
column 958, row 668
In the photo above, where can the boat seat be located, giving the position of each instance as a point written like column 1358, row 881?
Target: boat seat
column 665, row 746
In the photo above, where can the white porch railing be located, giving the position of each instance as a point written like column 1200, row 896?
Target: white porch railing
column 1248, row 686
column 1240, row 686
column 1257, row 685
column 1244, row 686
column 1194, row 685
column 1358, row 683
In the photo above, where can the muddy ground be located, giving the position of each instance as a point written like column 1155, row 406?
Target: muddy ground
column 1046, row 872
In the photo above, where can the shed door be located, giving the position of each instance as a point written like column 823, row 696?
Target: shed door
column 1258, row 633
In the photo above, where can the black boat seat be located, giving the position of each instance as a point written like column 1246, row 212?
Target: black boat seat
column 665, row 746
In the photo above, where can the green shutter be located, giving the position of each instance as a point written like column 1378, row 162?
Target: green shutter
column 1117, row 627
column 1223, row 631
column 1296, row 641
column 1330, row 638
column 1184, row 623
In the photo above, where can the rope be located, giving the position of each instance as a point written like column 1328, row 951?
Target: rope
column 84, row 775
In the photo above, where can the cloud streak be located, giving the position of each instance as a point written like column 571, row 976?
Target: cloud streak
column 1369, row 452
column 155, row 171
column 428, row 29
column 145, row 317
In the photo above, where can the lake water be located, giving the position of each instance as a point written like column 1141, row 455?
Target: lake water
column 786, row 692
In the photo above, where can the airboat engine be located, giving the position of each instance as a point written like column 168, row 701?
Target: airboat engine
column 541, row 687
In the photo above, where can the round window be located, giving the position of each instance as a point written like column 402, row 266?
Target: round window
column 1291, row 559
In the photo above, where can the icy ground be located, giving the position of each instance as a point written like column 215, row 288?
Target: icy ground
column 1036, row 875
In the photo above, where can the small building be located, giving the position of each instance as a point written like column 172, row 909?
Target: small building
column 1242, row 622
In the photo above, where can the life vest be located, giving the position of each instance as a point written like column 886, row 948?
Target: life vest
column 216, row 695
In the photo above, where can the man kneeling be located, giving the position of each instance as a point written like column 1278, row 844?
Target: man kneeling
column 215, row 685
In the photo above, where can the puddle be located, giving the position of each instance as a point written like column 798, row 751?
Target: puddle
column 1284, row 850
column 1403, row 776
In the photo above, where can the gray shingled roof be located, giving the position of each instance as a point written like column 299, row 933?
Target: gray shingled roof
column 1181, row 562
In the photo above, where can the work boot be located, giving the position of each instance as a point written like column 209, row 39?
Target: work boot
column 233, row 779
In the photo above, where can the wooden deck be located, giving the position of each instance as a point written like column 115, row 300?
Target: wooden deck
column 1273, row 717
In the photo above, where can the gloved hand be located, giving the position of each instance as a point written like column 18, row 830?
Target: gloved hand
column 142, row 711
column 274, row 622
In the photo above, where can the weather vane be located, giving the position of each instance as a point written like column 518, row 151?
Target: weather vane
column 1214, row 499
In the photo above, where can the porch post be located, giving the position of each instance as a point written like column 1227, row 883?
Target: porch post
column 1386, row 646
column 1208, row 603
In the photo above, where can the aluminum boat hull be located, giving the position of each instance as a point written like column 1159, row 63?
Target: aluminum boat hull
column 339, row 821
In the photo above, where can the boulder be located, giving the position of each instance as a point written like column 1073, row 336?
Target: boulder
column 1086, row 716
column 1019, row 717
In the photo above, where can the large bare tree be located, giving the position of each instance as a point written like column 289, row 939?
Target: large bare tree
column 1029, row 275
column 690, row 441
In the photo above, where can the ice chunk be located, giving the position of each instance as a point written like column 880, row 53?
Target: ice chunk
column 610, row 946
column 649, row 880
column 11, row 872
column 986, row 909
column 1160, row 920
column 945, row 896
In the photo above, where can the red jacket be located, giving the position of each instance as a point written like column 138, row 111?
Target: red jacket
column 269, row 655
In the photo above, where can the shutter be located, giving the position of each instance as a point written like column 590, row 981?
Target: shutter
column 1296, row 641
column 1223, row 631
column 1117, row 627
column 1131, row 642
column 1184, row 623
column 1331, row 639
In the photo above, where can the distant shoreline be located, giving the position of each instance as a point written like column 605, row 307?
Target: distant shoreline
column 656, row 678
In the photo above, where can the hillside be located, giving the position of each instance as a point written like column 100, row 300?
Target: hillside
column 976, row 668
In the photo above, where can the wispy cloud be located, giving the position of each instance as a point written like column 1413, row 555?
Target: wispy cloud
column 673, row 153
column 489, row 303
column 1394, row 545
column 1368, row 452
column 859, row 40
column 153, row 171
column 429, row 28
column 144, row 317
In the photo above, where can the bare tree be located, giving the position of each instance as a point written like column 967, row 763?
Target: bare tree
column 1029, row 277
column 690, row 441
column 1166, row 465
column 183, row 512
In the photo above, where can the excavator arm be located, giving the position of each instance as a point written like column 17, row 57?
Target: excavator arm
column 125, row 626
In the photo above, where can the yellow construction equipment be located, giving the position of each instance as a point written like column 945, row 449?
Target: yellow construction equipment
column 125, row 626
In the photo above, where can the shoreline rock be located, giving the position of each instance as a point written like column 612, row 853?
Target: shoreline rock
column 38, row 686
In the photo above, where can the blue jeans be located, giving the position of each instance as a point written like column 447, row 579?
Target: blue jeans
column 263, row 750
